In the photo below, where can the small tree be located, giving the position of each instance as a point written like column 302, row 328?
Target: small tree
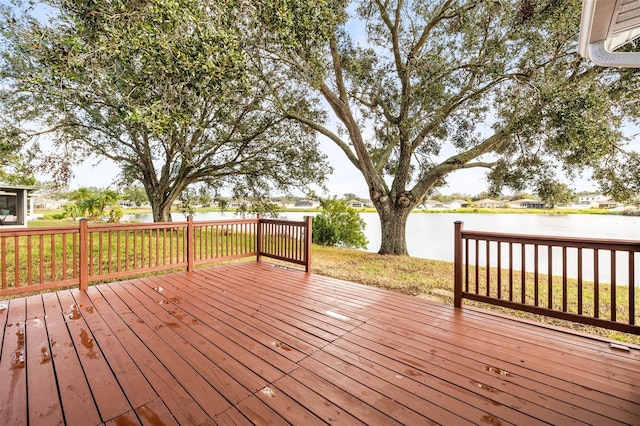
column 92, row 203
column 340, row 225
column 554, row 193
column 135, row 194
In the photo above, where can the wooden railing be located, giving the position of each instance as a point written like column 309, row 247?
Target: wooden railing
column 35, row 259
column 532, row 273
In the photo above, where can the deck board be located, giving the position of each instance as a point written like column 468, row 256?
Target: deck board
column 13, row 399
column 255, row 343
column 76, row 397
column 41, row 379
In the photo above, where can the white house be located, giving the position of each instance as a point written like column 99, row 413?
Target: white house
column 432, row 204
column 592, row 200
column 456, row 204
column 42, row 202
column 487, row 203
column 305, row 204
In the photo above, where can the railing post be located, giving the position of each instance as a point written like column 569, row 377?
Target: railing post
column 259, row 239
column 457, row 266
column 83, row 254
column 307, row 243
column 191, row 244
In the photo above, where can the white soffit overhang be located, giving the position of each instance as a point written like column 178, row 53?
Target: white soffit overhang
column 605, row 26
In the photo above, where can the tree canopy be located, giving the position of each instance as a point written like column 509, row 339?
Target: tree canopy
column 415, row 90
column 161, row 87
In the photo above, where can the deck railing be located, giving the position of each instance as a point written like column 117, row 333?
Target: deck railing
column 35, row 259
column 532, row 273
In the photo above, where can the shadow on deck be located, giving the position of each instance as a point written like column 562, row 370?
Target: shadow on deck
column 254, row 343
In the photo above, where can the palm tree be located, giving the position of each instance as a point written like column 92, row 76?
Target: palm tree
column 91, row 207
column 72, row 210
column 80, row 194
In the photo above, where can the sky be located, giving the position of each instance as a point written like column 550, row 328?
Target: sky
column 344, row 179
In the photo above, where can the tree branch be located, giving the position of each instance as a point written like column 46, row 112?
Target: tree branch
column 328, row 133
column 461, row 161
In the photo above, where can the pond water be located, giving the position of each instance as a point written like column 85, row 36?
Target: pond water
column 430, row 235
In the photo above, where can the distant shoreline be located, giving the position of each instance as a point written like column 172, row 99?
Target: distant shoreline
column 470, row 210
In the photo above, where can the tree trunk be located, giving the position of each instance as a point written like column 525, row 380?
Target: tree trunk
column 393, row 222
column 161, row 210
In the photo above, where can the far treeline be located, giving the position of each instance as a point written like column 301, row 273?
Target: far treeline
column 235, row 97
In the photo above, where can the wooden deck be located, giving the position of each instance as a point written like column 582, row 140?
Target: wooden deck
column 255, row 343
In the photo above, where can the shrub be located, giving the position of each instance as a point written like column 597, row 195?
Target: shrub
column 339, row 225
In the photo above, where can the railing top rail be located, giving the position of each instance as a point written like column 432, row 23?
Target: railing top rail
column 284, row 222
column 160, row 225
column 131, row 226
column 225, row 221
column 38, row 231
column 596, row 243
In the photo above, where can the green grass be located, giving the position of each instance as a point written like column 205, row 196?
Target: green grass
column 45, row 223
column 433, row 280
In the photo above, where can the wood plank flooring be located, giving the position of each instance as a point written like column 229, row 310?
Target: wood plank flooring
column 256, row 343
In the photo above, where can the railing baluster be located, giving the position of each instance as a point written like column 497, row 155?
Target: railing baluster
column 76, row 256
column 65, row 270
column 84, row 254
column 118, row 252
column 510, row 271
column 29, row 262
column 466, row 263
column 109, row 252
column 488, row 270
column 580, row 281
column 99, row 234
column 151, row 248
column 142, row 246
column 41, row 258
column 477, row 263
column 135, row 249
column 227, row 240
column 125, row 263
column 523, row 273
column 161, row 247
column 173, row 235
column 499, row 284
column 536, row 284
column 613, row 284
column 3, row 265
column 564, row 279
column 632, row 289
column 191, row 244
column 550, row 276
column 459, row 260
column 596, row 283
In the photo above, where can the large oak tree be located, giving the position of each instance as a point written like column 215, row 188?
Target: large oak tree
column 420, row 89
column 161, row 87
